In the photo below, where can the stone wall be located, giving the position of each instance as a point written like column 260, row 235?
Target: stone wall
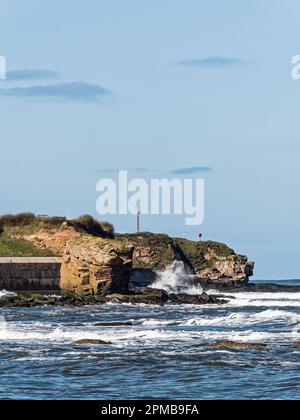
column 30, row 274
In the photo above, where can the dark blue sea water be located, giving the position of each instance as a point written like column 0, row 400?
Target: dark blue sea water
column 165, row 354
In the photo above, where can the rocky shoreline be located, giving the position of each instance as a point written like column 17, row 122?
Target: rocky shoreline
column 143, row 296
column 146, row 296
column 99, row 266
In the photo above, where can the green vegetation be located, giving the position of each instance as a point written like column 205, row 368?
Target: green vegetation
column 20, row 248
column 196, row 251
column 15, row 229
column 220, row 249
column 28, row 223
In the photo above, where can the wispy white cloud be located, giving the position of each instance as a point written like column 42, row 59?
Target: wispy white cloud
column 213, row 62
column 75, row 91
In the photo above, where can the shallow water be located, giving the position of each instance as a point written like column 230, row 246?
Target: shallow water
column 163, row 355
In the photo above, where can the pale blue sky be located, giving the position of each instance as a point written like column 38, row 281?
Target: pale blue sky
column 150, row 97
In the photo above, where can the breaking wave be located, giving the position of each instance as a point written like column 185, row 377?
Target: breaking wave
column 263, row 299
column 5, row 294
column 177, row 279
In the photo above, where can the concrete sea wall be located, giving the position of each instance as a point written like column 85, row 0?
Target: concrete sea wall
column 30, row 274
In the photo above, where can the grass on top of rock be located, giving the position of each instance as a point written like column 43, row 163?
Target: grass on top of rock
column 29, row 223
column 20, row 248
column 15, row 231
column 196, row 251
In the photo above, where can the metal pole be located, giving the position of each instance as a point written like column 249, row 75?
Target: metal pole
column 138, row 221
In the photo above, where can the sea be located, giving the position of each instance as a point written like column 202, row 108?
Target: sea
column 165, row 352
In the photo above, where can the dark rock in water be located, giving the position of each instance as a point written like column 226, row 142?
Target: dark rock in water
column 148, row 299
column 114, row 324
column 237, row 345
column 165, row 297
column 145, row 296
column 92, row 342
column 203, row 299
column 264, row 288
column 148, row 291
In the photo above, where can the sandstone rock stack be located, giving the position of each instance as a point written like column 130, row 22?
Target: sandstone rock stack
column 96, row 266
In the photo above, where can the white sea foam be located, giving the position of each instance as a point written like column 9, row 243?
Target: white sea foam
column 157, row 322
column 139, row 336
column 230, row 320
column 261, row 299
column 250, row 317
column 5, row 293
column 176, row 279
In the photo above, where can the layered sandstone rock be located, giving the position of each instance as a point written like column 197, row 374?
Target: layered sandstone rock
column 232, row 270
column 96, row 266
column 217, row 264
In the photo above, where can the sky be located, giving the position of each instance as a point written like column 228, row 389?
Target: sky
column 195, row 88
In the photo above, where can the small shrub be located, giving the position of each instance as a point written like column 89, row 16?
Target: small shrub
column 22, row 219
column 108, row 229
column 91, row 226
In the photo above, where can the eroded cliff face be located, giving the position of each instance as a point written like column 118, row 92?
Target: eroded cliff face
column 232, row 270
column 217, row 264
column 212, row 262
column 152, row 253
column 96, row 266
